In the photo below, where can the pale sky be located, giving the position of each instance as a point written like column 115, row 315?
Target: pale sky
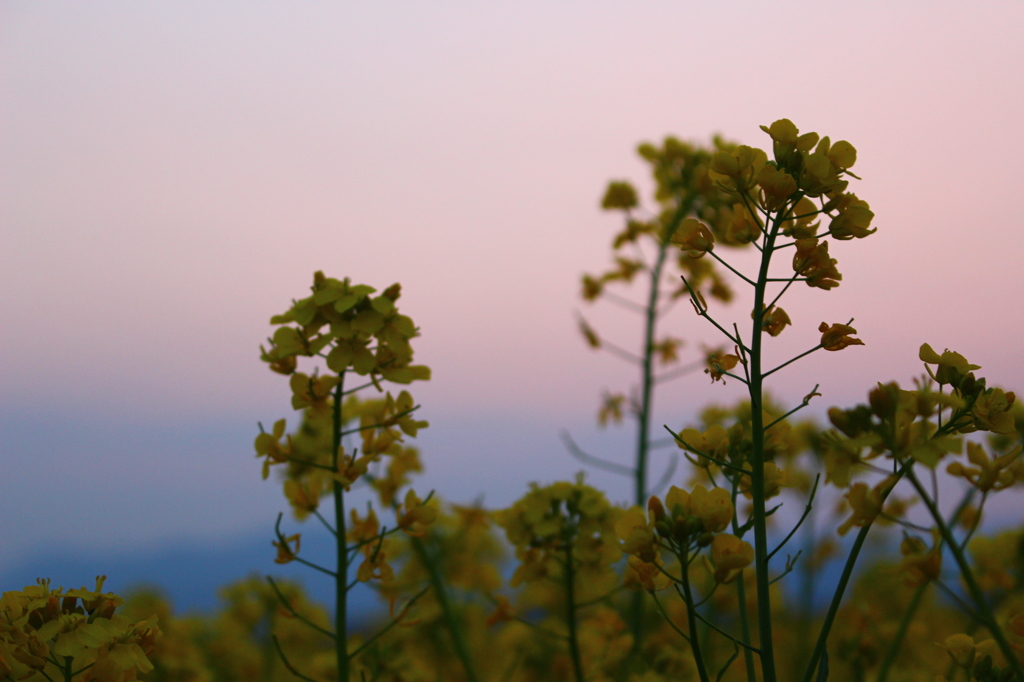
column 171, row 174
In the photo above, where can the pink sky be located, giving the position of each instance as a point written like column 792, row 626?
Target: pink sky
column 172, row 174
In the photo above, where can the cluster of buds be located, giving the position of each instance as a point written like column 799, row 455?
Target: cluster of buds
column 46, row 633
column 687, row 522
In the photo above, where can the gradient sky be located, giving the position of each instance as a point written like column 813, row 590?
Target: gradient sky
column 171, row 174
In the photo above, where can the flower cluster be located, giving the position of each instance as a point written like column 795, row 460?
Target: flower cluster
column 49, row 634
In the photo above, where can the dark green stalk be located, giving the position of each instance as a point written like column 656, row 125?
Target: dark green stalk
column 447, row 612
column 764, row 614
column 570, row 588
column 341, row 575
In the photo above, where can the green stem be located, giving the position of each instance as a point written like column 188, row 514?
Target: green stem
column 755, row 386
column 341, row 575
column 446, row 608
column 968, row 576
column 647, row 398
column 844, row 579
column 570, row 589
column 692, row 621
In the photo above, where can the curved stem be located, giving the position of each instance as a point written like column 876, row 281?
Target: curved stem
column 446, row 608
column 984, row 611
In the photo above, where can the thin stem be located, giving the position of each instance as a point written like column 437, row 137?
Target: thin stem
column 667, row 476
column 790, row 361
column 734, row 270
column 789, row 283
column 326, row 525
column 287, row 663
column 806, row 401
column 579, row 454
column 623, row 302
column 394, row 621
column 820, row 653
column 691, row 619
column 807, row 510
column 721, row 463
column 447, row 612
column 341, row 549
column 389, row 422
column 764, row 614
column 679, row 371
column 968, row 576
column 621, row 352
column 726, row 634
column 291, row 609
column 664, row 614
column 955, row 598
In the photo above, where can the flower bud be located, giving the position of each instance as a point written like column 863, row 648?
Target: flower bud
column 883, row 400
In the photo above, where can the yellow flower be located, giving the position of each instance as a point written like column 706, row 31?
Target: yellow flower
column 782, row 131
column 865, row 503
column 311, row 391
column 417, row 515
column 837, row 336
column 777, row 186
column 991, row 411
column 350, row 468
column 285, row 553
column 735, row 169
column 647, row 574
column 694, row 237
column 921, row 563
column 743, row 228
column 719, row 364
column 362, row 530
column 987, row 474
column 774, row 321
column 853, row 220
column 951, row 366
column 375, row 565
column 714, row 508
column 269, row 445
column 713, row 443
column 637, row 534
column 730, row 556
column 667, row 349
column 611, row 408
column 304, row 496
column 812, row 261
column 961, row 649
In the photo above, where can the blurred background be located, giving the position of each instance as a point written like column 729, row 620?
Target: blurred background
column 171, row 174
